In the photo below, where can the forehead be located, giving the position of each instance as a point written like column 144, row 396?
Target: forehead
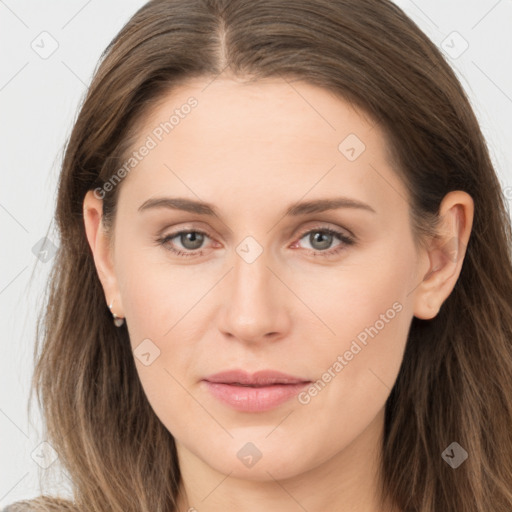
column 258, row 137
column 291, row 116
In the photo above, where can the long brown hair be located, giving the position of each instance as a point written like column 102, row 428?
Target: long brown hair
column 455, row 382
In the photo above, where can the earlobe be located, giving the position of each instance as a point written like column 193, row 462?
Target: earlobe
column 99, row 243
column 445, row 254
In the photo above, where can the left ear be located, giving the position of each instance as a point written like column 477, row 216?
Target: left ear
column 445, row 254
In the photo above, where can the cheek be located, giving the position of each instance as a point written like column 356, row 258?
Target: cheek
column 366, row 315
column 157, row 294
column 156, row 301
column 357, row 368
column 363, row 298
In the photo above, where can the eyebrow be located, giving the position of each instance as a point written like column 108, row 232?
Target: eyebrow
column 304, row 208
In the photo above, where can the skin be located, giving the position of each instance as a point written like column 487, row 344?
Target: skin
column 252, row 150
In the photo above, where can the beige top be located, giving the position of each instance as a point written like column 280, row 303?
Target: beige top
column 39, row 505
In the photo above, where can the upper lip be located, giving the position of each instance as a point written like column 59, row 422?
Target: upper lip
column 261, row 378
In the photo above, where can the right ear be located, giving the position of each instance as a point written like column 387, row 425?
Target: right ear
column 101, row 250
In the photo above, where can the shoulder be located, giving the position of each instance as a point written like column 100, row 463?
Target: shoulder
column 19, row 506
column 42, row 504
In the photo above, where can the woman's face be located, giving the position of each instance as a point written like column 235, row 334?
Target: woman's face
column 262, row 284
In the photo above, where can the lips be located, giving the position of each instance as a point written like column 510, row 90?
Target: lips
column 254, row 393
column 258, row 379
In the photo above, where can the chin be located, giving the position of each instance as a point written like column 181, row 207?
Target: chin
column 259, row 459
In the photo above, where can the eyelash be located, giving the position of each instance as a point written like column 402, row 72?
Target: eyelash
column 346, row 241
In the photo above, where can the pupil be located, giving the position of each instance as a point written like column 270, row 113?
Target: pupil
column 195, row 238
column 323, row 244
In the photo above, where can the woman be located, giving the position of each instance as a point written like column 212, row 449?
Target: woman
column 277, row 286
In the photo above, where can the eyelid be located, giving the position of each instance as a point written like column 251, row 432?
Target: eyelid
column 171, row 232
column 322, row 225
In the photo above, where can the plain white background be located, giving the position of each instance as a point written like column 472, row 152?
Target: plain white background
column 39, row 96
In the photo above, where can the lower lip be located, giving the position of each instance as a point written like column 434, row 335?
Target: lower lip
column 249, row 399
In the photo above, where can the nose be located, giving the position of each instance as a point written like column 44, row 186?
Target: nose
column 255, row 306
